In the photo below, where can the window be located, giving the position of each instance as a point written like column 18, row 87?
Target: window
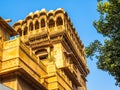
column 43, row 57
column 31, row 26
column 42, row 53
column 59, row 21
column 25, row 31
column 36, row 25
column 51, row 23
column 42, row 23
column 19, row 31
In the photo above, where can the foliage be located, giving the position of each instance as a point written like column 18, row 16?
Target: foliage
column 108, row 54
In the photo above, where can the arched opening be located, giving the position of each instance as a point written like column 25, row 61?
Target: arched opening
column 25, row 31
column 19, row 31
column 51, row 23
column 31, row 26
column 59, row 21
column 42, row 23
column 36, row 25
column 42, row 53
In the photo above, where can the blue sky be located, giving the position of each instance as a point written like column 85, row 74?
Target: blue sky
column 82, row 14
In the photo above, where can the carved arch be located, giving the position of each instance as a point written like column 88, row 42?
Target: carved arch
column 51, row 23
column 35, row 16
column 59, row 21
column 36, row 25
column 42, row 23
column 25, row 32
column 28, row 18
column 31, row 26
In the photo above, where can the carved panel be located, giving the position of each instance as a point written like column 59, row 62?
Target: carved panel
column 10, row 53
column 9, row 64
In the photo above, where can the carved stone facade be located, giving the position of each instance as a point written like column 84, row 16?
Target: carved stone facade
column 47, row 54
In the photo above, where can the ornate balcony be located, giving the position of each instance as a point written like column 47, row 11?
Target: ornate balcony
column 71, row 70
column 18, row 58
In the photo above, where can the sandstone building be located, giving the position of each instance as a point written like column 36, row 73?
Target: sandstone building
column 45, row 54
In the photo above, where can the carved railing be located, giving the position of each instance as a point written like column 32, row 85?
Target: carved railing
column 43, row 29
column 52, row 29
column 60, row 27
